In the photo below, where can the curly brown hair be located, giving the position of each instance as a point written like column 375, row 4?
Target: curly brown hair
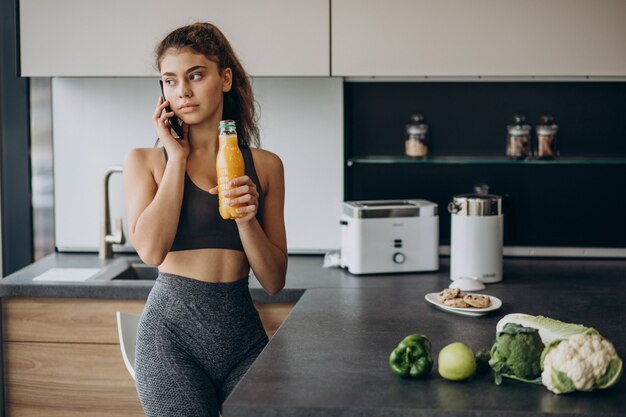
column 206, row 39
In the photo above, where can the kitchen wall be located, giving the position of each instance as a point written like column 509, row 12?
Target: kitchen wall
column 41, row 156
column 96, row 121
column 1, row 270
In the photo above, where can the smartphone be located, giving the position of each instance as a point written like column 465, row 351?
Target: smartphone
column 173, row 121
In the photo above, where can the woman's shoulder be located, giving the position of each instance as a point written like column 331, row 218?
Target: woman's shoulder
column 266, row 159
column 268, row 166
column 145, row 159
column 145, row 153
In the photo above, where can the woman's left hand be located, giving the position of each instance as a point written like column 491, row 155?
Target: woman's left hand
column 244, row 193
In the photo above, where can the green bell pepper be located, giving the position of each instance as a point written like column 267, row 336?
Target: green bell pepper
column 412, row 357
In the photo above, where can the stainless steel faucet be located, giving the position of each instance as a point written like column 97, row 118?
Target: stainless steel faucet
column 106, row 238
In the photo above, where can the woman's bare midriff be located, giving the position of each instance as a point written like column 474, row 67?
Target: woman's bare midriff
column 211, row 265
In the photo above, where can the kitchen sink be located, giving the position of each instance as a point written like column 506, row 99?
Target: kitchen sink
column 132, row 269
column 138, row 270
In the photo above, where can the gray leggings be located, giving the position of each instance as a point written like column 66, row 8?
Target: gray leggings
column 195, row 341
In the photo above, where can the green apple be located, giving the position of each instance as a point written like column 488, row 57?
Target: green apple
column 456, row 362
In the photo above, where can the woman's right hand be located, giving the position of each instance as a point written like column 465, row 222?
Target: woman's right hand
column 177, row 149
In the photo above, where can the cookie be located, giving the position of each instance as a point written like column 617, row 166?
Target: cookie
column 456, row 302
column 448, row 294
column 477, row 301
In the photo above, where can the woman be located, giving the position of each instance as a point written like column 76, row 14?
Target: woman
column 199, row 331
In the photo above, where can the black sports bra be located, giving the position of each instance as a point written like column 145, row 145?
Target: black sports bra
column 200, row 224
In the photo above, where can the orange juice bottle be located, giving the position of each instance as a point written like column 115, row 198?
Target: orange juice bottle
column 229, row 166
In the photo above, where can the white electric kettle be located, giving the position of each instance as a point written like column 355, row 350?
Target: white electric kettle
column 476, row 237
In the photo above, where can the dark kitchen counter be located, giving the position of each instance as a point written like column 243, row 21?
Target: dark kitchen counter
column 21, row 284
column 329, row 358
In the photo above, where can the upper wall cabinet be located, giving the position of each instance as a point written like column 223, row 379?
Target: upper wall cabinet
column 118, row 37
column 478, row 38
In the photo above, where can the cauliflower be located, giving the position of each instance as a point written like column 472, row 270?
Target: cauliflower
column 575, row 357
column 582, row 362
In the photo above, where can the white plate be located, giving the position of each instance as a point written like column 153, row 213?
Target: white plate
column 461, row 313
column 496, row 303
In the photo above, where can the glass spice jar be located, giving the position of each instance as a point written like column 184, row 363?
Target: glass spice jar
column 416, row 145
column 546, row 138
column 518, row 138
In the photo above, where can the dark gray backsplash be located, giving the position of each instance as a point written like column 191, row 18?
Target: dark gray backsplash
column 548, row 204
column 470, row 118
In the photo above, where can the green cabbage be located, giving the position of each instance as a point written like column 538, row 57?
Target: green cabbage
column 549, row 329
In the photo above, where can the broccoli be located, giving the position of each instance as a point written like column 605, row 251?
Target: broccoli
column 516, row 354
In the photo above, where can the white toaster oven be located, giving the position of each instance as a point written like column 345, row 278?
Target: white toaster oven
column 384, row 236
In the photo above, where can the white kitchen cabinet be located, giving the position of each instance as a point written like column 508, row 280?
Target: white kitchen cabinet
column 118, row 37
column 478, row 38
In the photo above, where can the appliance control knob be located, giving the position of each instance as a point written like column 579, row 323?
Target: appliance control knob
column 399, row 258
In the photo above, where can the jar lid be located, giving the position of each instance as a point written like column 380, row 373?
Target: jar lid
column 476, row 205
column 519, row 126
column 547, row 125
column 226, row 123
column 417, row 125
